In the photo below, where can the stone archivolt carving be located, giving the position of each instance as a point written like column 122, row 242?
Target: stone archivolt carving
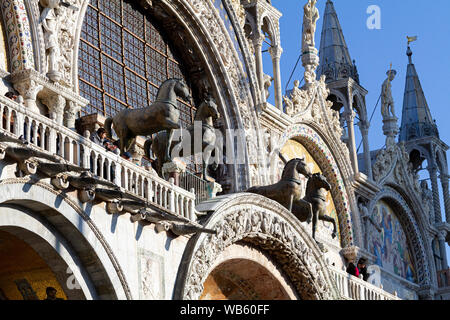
column 19, row 35
column 305, row 105
column 414, row 229
column 240, row 11
column 264, row 224
column 393, row 164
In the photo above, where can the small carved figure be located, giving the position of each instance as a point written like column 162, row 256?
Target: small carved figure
column 161, row 115
column 267, row 84
column 288, row 105
column 387, row 101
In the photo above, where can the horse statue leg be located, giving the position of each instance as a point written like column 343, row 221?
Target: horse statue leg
column 205, row 159
column 315, row 219
column 332, row 220
column 170, row 134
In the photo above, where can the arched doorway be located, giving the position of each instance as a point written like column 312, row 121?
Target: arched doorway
column 266, row 226
column 245, row 273
column 25, row 275
column 50, row 219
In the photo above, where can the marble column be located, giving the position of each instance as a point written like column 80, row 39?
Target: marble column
column 443, row 252
column 364, row 127
column 435, row 189
column 350, row 118
column 445, row 191
column 257, row 44
column 56, row 105
column 275, row 53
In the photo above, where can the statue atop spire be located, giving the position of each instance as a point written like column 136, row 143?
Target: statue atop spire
column 387, row 101
column 390, row 125
column 310, row 58
column 310, row 17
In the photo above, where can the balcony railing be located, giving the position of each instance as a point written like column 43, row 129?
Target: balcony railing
column 189, row 181
column 353, row 288
column 56, row 139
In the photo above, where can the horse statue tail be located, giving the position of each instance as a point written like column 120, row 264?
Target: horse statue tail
column 108, row 126
column 147, row 145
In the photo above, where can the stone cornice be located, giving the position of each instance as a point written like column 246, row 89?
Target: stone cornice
column 364, row 186
column 274, row 117
column 424, row 141
column 48, row 86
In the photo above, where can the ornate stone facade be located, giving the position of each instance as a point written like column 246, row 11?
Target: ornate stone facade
column 150, row 239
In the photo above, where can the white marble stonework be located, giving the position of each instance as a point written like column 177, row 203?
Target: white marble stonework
column 115, row 253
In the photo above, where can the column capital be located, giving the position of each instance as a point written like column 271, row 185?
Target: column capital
column 276, row 52
column 350, row 115
column 258, row 39
column 56, row 105
column 364, row 126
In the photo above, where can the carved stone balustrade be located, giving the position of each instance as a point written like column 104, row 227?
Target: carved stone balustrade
column 352, row 288
column 48, row 135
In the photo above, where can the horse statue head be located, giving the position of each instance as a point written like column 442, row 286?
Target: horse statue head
column 294, row 168
column 171, row 88
column 319, row 181
column 207, row 111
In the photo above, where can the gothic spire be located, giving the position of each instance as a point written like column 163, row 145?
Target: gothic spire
column 417, row 121
column 335, row 61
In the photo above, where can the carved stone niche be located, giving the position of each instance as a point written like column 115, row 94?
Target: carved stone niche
column 93, row 122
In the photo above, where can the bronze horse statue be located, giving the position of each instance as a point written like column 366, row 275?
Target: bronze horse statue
column 206, row 113
column 163, row 114
column 287, row 191
column 316, row 194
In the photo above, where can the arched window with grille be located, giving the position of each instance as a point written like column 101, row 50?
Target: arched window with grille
column 124, row 57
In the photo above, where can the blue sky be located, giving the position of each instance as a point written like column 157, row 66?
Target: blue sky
column 375, row 50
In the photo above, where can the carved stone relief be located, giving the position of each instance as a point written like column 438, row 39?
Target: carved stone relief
column 263, row 224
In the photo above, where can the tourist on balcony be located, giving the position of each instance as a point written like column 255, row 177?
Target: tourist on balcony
column 126, row 155
column 361, row 266
column 353, row 270
column 11, row 95
column 111, row 147
column 99, row 136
